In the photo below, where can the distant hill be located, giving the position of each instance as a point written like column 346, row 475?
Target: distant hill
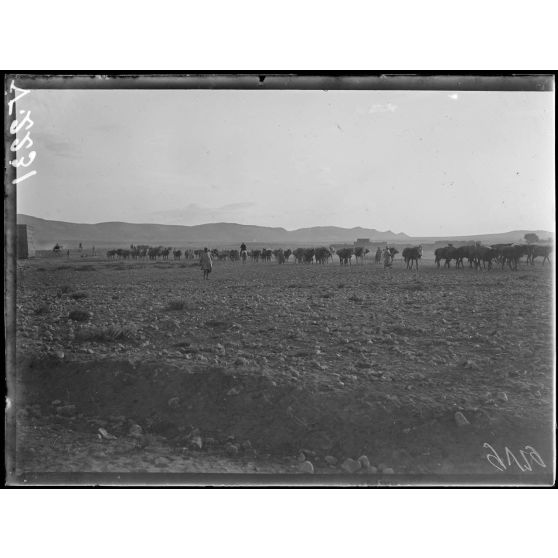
column 47, row 233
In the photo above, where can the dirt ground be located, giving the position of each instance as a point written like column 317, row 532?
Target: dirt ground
column 266, row 368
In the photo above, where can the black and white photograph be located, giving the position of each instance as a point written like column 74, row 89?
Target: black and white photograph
column 280, row 279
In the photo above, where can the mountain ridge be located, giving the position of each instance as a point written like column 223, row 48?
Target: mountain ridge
column 112, row 233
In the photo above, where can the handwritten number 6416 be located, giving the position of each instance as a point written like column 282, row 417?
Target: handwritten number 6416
column 496, row 461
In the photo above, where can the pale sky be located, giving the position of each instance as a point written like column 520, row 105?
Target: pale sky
column 420, row 162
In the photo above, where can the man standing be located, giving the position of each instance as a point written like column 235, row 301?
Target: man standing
column 387, row 257
column 206, row 263
column 243, row 252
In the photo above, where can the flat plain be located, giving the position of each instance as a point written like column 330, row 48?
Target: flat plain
column 144, row 367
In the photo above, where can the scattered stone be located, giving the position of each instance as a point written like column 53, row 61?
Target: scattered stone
column 381, row 467
column 66, row 410
column 364, row 461
column 502, row 396
column 136, row 431
column 301, row 457
column 56, row 402
column 241, row 361
column 330, row 460
column 246, row 445
column 161, row 462
column 460, row 419
column 231, row 449
column 196, row 441
column 106, row 435
column 309, row 452
column 234, row 391
column 219, row 349
column 388, row 471
column 350, row 465
column 372, row 470
column 173, row 402
column 60, row 354
column 471, row 365
column 306, row 467
column 210, row 443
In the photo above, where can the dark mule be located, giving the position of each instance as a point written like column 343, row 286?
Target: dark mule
column 411, row 255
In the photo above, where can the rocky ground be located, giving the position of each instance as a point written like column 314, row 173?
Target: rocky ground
column 143, row 367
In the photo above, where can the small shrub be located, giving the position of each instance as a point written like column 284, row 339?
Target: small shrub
column 65, row 289
column 219, row 324
column 43, row 309
column 79, row 315
column 106, row 334
column 85, row 268
column 413, row 287
column 340, row 285
column 178, row 304
column 78, row 295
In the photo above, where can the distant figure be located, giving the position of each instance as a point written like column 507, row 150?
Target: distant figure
column 378, row 257
column 80, row 247
column 206, row 263
column 387, row 257
column 93, row 251
column 68, row 254
column 243, row 252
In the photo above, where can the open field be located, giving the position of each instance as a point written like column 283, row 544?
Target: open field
column 265, row 361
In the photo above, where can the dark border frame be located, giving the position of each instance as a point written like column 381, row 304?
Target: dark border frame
column 543, row 81
column 431, row 81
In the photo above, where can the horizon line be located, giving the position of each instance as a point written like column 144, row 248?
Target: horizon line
column 552, row 233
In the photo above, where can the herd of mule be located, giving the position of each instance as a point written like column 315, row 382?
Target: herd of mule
column 477, row 255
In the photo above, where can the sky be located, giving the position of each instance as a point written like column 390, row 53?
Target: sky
column 425, row 163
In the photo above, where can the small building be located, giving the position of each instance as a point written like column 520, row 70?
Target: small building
column 362, row 243
column 25, row 242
